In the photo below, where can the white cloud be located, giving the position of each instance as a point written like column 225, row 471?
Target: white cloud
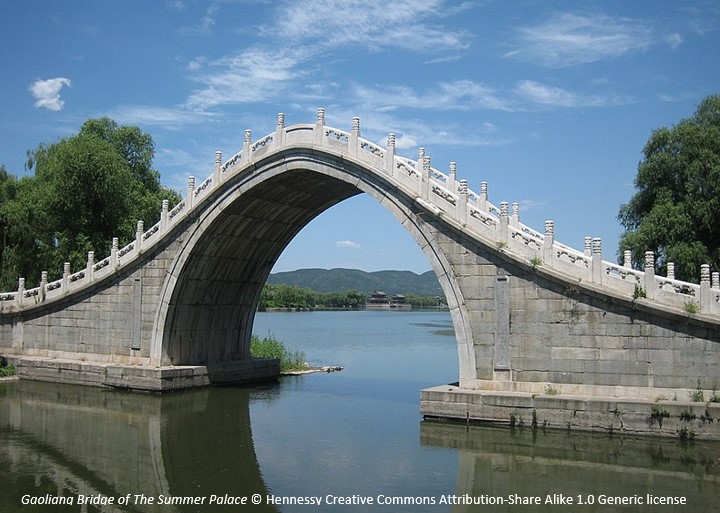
column 674, row 40
column 47, row 93
column 347, row 244
column 207, row 22
column 408, row 24
column 169, row 118
column 253, row 75
column 570, row 39
column 457, row 95
column 540, row 94
column 313, row 29
column 529, row 204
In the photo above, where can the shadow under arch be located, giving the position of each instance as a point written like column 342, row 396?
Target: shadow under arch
column 210, row 298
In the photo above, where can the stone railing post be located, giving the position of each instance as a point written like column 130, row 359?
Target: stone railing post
column 715, row 282
column 596, row 261
column 354, row 141
column 588, row 247
column 483, row 199
column 426, row 174
column 65, row 277
column 515, row 217
column 190, row 193
column 217, row 169
column 164, row 213
column 705, row 294
column 419, row 169
column 671, row 270
column 139, row 236
column 390, row 155
column 627, row 259
column 650, row 283
column 548, row 242
column 452, row 185
column 463, row 201
column 319, row 130
column 43, row 285
column 20, row 297
column 279, row 137
column 89, row 271
column 247, row 142
column 503, row 232
column 114, row 252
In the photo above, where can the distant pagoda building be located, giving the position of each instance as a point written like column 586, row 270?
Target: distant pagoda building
column 379, row 300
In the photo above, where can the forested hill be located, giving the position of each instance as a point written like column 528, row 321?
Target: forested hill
column 341, row 280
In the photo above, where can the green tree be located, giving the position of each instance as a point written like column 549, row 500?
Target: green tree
column 676, row 207
column 86, row 189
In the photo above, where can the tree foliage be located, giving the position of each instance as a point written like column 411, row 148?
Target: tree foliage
column 676, row 207
column 291, row 296
column 303, row 298
column 86, row 189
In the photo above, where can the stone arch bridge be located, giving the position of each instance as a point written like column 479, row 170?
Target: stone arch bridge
column 175, row 307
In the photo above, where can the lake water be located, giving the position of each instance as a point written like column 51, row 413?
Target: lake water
column 353, row 436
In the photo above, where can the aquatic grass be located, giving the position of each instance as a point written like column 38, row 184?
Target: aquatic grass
column 271, row 347
column 8, row 370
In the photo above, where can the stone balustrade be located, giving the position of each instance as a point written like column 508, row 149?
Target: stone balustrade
column 440, row 194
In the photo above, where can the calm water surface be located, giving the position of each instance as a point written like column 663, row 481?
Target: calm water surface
column 352, row 433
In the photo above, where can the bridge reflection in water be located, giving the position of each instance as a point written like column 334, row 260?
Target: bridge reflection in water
column 66, row 440
column 497, row 462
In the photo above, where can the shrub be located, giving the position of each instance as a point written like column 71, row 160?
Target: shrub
column 271, row 347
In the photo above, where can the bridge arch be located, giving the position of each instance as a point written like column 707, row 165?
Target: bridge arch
column 210, row 299
column 174, row 307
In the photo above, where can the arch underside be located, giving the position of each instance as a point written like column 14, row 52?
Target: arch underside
column 236, row 244
column 210, row 317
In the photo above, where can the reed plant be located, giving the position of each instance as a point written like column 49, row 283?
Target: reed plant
column 271, row 347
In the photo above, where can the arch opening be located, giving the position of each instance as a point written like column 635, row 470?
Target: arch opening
column 219, row 275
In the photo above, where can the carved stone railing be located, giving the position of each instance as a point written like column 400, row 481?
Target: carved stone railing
column 440, row 194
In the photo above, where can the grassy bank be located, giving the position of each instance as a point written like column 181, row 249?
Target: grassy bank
column 271, row 347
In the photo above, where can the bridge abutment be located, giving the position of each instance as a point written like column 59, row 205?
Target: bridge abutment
column 572, row 353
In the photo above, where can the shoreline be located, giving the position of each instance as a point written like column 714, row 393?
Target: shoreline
column 312, row 370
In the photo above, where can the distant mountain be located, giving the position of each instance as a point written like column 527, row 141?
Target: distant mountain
column 341, row 280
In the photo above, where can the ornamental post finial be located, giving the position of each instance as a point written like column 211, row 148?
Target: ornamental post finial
column 550, row 228
column 504, row 209
column 515, row 216
column 650, row 260
column 705, row 275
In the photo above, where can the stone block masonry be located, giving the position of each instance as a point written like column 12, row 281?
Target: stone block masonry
column 680, row 419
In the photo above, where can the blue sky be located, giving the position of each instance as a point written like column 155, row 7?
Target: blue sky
column 550, row 102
